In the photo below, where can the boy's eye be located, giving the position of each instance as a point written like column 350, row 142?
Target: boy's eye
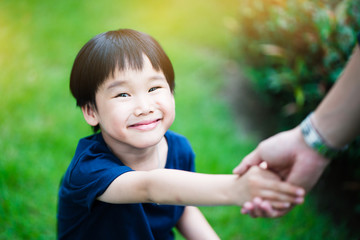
column 153, row 89
column 123, row 95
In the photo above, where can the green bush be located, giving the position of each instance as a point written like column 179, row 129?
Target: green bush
column 293, row 51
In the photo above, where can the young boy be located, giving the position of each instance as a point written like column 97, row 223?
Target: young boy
column 135, row 179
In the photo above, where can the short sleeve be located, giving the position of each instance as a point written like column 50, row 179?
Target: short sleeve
column 92, row 176
column 180, row 154
column 90, row 173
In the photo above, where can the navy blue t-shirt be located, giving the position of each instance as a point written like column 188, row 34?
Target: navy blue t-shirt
column 358, row 37
column 91, row 171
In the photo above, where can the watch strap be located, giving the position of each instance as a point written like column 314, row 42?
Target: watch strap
column 313, row 139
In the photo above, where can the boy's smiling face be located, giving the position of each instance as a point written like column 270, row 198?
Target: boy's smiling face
column 134, row 108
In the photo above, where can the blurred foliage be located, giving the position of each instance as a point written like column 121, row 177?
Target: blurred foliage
column 293, row 51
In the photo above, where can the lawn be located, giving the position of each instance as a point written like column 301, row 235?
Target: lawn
column 40, row 125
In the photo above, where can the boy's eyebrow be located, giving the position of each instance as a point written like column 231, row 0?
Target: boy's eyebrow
column 116, row 83
column 120, row 82
column 157, row 77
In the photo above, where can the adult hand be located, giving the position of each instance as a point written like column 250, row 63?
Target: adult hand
column 290, row 157
column 287, row 155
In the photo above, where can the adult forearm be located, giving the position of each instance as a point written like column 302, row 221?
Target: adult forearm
column 338, row 116
column 186, row 188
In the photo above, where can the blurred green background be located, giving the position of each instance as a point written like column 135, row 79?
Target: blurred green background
column 40, row 125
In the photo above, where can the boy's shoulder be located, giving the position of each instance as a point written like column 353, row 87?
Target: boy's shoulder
column 93, row 138
column 178, row 144
column 91, row 143
column 180, row 153
column 172, row 134
column 91, row 153
column 94, row 160
column 176, row 138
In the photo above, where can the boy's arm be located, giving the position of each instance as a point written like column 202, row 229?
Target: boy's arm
column 193, row 225
column 176, row 187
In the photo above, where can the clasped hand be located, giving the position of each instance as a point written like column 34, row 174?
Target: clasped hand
column 291, row 161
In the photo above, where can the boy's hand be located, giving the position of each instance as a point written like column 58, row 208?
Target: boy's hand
column 279, row 195
column 262, row 208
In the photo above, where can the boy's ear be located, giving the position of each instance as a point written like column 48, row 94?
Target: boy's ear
column 90, row 114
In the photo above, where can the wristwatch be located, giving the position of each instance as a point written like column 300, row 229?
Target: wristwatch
column 314, row 140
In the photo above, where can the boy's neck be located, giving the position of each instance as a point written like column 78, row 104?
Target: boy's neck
column 143, row 159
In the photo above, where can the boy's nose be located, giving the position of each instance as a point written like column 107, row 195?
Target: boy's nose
column 144, row 106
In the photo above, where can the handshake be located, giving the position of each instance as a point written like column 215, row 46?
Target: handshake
column 288, row 167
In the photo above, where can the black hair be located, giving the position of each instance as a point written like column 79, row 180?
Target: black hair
column 102, row 55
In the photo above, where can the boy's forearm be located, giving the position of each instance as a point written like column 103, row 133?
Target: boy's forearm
column 186, row 188
column 176, row 187
column 338, row 116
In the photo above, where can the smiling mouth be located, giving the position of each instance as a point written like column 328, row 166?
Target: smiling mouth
column 145, row 125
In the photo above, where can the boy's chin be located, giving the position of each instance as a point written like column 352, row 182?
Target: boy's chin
column 147, row 141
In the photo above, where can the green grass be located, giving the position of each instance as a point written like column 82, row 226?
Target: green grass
column 40, row 125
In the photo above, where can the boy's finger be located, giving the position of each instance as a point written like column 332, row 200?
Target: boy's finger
column 257, row 210
column 247, row 207
column 280, row 205
column 262, row 209
column 272, row 212
column 284, row 187
column 273, row 195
